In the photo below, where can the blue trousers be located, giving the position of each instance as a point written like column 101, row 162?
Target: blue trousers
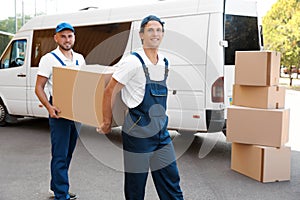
column 64, row 135
column 157, row 155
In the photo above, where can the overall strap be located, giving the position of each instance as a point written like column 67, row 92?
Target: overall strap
column 145, row 67
column 58, row 58
column 61, row 62
column 143, row 63
column 166, row 68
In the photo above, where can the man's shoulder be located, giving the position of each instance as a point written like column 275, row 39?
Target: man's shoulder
column 129, row 63
column 162, row 58
column 47, row 56
column 77, row 54
column 161, row 55
column 131, row 58
column 50, row 53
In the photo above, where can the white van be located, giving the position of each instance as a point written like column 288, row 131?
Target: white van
column 200, row 43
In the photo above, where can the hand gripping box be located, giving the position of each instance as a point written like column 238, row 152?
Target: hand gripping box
column 258, row 68
column 264, row 164
column 258, row 96
column 267, row 127
column 78, row 93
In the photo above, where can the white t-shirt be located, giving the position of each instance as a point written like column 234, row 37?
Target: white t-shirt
column 130, row 73
column 48, row 61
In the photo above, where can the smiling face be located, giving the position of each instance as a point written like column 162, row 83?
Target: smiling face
column 152, row 35
column 65, row 39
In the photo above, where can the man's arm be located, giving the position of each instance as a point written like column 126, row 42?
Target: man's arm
column 109, row 96
column 40, row 93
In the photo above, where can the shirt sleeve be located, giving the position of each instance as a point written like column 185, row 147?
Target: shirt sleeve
column 126, row 70
column 45, row 67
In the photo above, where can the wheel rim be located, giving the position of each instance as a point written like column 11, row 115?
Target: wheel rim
column 2, row 113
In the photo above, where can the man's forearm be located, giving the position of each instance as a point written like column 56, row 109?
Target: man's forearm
column 107, row 106
column 42, row 96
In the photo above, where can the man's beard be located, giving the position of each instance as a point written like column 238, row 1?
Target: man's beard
column 69, row 47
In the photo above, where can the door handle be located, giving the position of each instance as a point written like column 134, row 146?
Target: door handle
column 21, row 75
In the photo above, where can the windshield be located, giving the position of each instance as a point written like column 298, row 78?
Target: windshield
column 242, row 34
column 14, row 55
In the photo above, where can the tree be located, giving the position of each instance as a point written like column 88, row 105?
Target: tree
column 8, row 25
column 4, row 40
column 281, row 32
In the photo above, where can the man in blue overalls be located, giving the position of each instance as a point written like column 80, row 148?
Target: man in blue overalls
column 141, row 78
column 64, row 132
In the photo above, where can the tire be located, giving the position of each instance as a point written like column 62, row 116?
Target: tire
column 224, row 132
column 225, row 128
column 3, row 114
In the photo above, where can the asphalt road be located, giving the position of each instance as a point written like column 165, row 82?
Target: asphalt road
column 96, row 170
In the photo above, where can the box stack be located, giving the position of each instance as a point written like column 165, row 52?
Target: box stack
column 257, row 122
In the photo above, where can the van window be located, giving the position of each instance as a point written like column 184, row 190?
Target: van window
column 14, row 55
column 99, row 44
column 242, row 34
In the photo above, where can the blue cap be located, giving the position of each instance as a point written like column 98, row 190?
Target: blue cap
column 151, row 18
column 64, row 26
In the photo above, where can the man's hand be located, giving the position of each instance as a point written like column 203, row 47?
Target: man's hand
column 53, row 112
column 109, row 96
column 104, row 128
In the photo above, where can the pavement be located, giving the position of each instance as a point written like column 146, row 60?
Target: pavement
column 285, row 80
column 96, row 169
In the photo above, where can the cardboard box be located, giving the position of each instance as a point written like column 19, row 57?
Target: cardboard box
column 259, row 68
column 78, row 93
column 265, row 164
column 267, row 127
column 258, row 96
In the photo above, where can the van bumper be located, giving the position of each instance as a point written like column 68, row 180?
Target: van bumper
column 215, row 120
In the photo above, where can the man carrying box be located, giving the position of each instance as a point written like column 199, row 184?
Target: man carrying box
column 146, row 140
column 64, row 132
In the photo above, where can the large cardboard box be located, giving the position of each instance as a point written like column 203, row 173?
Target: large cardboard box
column 267, row 127
column 259, row 68
column 259, row 96
column 78, row 93
column 265, row 164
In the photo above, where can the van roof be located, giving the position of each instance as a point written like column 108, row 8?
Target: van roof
column 163, row 9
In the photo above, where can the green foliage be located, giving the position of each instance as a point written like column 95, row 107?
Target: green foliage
column 282, row 31
column 4, row 40
column 8, row 25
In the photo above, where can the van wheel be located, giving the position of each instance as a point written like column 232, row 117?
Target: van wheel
column 224, row 132
column 225, row 128
column 3, row 114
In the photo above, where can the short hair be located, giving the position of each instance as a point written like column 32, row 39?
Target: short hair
column 150, row 18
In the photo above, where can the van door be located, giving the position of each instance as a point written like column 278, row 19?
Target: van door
column 241, row 31
column 13, row 77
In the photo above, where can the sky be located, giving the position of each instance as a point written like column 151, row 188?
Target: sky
column 32, row 7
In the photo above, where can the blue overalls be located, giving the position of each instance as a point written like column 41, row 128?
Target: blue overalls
column 64, row 135
column 147, row 144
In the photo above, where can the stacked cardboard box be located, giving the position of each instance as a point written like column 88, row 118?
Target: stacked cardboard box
column 258, row 123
